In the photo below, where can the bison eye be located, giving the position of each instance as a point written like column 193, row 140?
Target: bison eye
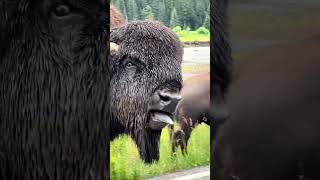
column 61, row 10
column 129, row 64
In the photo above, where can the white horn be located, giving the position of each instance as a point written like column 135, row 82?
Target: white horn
column 113, row 48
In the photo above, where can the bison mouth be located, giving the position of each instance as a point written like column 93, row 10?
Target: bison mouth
column 159, row 119
column 162, row 107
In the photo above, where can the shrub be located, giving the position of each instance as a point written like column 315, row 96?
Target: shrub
column 203, row 30
column 177, row 29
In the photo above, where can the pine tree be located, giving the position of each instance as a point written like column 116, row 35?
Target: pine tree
column 169, row 4
column 122, row 7
column 132, row 10
column 147, row 13
column 174, row 20
column 206, row 22
column 190, row 13
column 162, row 13
column 155, row 8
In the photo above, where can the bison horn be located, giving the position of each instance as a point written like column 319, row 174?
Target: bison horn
column 113, row 48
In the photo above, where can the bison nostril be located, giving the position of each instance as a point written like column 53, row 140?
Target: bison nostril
column 165, row 98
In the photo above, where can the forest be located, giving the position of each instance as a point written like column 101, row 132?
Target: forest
column 187, row 14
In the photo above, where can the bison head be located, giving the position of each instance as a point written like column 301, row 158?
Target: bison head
column 54, row 83
column 146, row 83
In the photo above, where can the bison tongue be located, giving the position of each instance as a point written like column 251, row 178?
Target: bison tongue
column 159, row 121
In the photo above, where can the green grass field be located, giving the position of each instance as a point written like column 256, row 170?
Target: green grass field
column 126, row 164
column 193, row 36
column 200, row 35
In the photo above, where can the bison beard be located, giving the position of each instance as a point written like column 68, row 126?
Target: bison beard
column 54, row 84
column 146, row 83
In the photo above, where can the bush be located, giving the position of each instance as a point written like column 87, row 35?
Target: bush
column 177, row 29
column 203, row 30
column 187, row 28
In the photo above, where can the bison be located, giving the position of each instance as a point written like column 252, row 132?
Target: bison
column 273, row 132
column 116, row 18
column 193, row 109
column 146, row 83
column 54, row 90
column 221, row 68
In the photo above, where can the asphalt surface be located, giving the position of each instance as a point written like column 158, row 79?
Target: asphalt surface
column 198, row 173
column 196, row 55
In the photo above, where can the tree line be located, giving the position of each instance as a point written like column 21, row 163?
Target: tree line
column 184, row 13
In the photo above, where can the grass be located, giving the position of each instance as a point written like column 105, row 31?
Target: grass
column 126, row 164
column 192, row 36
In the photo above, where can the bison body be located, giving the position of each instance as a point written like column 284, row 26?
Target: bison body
column 54, row 86
column 221, row 68
column 273, row 132
column 193, row 109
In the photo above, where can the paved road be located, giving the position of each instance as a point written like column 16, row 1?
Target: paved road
column 199, row 173
column 196, row 55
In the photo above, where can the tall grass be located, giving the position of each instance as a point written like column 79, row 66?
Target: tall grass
column 186, row 35
column 126, row 164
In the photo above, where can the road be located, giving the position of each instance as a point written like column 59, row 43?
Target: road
column 198, row 173
column 262, row 23
column 196, row 55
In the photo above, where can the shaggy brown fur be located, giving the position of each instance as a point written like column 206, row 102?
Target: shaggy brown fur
column 54, row 90
column 116, row 18
column 274, row 105
column 149, row 61
column 221, row 67
column 193, row 110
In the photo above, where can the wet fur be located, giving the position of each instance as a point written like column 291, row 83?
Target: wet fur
column 157, row 53
column 53, row 92
column 221, row 68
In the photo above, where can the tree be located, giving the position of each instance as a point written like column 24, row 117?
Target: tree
column 206, row 22
column 190, row 13
column 162, row 13
column 122, row 7
column 132, row 10
column 174, row 20
column 147, row 13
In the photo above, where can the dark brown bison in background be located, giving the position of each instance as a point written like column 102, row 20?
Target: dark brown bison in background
column 274, row 105
column 192, row 110
column 146, row 83
column 54, row 90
